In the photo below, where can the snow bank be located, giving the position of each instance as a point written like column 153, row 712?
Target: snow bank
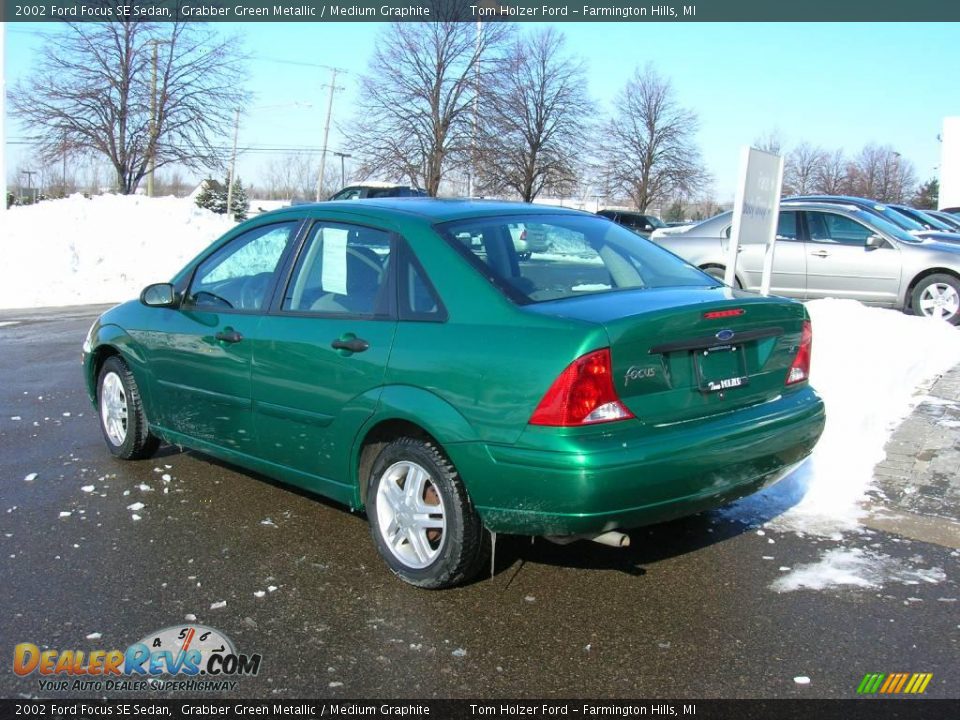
column 868, row 364
column 106, row 249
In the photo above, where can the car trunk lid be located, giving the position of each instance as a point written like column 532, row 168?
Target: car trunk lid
column 684, row 353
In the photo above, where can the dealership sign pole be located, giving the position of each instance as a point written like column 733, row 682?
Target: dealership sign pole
column 755, row 211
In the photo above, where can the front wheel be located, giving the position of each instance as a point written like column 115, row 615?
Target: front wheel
column 421, row 518
column 938, row 296
column 122, row 419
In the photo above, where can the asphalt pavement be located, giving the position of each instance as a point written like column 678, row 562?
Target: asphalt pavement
column 689, row 610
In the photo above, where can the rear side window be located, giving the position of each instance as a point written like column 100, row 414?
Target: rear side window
column 342, row 270
column 418, row 300
column 787, row 226
column 584, row 255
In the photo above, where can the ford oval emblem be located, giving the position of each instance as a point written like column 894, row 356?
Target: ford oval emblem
column 725, row 335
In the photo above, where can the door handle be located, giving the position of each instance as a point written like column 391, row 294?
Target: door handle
column 821, row 253
column 229, row 336
column 353, row 345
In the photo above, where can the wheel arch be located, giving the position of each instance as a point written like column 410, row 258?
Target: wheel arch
column 721, row 266
column 912, row 285
column 404, row 411
column 109, row 341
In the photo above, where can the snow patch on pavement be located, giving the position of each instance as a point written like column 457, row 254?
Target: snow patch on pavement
column 868, row 364
column 853, row 567
column 99, row 250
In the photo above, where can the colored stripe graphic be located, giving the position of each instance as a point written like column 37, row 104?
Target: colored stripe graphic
column 870, row 683
column 894, row 683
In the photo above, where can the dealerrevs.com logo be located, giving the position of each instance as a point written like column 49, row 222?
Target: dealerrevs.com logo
column 188, row 658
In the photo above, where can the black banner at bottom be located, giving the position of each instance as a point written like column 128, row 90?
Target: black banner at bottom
column 866, row 709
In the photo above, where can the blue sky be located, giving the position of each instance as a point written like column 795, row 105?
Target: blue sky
column 835, row 85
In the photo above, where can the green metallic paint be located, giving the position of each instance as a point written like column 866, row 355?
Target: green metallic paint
column 283, row 403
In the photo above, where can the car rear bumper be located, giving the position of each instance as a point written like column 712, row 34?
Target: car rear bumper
column 625, row 475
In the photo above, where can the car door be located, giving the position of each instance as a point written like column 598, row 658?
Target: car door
column 788, row 277
column 841, row 265
column 200, row 353
column 320, row 355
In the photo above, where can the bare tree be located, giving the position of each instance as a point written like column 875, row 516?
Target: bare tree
column 91, row 91
column 831, row 176
column 537, row 120
column 649, row 143
column 881, row 173
column 770, row 142
column 293, row 176
column 414, row 117
column 803, row 168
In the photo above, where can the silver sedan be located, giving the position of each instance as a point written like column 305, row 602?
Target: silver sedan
column 834, row 250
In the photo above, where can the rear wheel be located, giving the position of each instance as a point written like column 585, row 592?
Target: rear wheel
column 122, row 419
column 938, row 296
column 718, row 272
column 421, row 518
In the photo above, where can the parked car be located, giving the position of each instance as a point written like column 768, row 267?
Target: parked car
column 366, row 352
column 528, row 238
column 640, row 223
column 834, row 250
column 925, row 219
column 952, row 220
column 377, row 190
column 884, row 211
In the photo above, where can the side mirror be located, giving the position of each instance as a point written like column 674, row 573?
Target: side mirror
column 648, row 227
column 159, row 295
column 874, row 241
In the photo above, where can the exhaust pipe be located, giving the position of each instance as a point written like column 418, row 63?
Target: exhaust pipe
column 613, row 539
column 610, row 539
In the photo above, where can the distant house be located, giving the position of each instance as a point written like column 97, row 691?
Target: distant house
column 213, row 185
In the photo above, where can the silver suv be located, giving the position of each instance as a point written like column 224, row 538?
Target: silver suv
column 835, row 250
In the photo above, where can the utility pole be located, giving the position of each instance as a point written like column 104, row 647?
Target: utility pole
column 151, row 148
column 326, row 130
column 233, row 162
column 343, row 175
column 29, row 174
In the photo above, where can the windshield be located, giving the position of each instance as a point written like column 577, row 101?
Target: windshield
column 898, row 218
column 934, row 222
column 579, row 255
column 894, row 231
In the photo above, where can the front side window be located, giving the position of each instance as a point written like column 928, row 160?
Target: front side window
column 586, row 256
column 342, row 269
column 827, row 227
column 238, row 275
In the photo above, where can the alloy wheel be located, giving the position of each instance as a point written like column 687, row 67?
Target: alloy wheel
column 410, row 514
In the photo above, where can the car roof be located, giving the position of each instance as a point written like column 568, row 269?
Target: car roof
column 847, row 199
column 436, row 210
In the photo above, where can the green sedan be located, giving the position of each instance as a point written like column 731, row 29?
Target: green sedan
column 399, row 356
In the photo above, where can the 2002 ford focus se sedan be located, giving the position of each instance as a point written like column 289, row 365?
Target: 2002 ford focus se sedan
column 400, row 356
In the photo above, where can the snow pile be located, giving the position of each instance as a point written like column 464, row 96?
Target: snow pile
column 106, row 249
column 868, row 364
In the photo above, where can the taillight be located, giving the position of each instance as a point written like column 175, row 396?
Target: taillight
column 582, row 395
column 800, row 369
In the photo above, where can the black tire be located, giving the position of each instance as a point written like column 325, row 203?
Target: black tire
column 930, row 283
column 137, row 442
column 462, row 546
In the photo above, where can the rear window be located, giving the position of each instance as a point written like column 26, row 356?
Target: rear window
column 577, row 255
